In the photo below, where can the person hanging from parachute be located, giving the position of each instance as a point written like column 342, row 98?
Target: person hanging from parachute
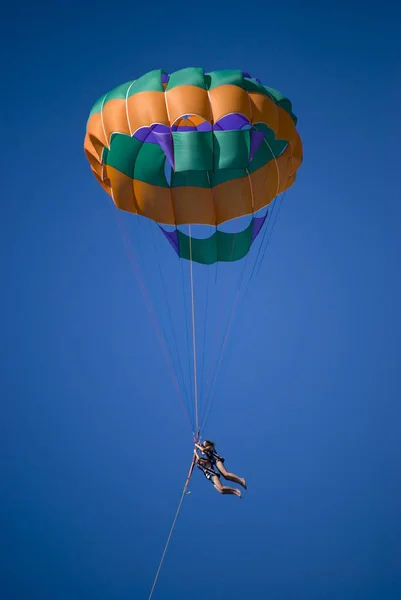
column 201, row 156
column 208, row 449
column 207, row 468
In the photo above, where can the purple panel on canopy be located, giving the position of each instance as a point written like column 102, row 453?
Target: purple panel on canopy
column 230, row 122
column 172, row 237
column 165, row 141
column 257, row 225
column 145, row 134
column 257, row 138
column 165, row 77
column 142, row 133
column 160, row 128
column 204, row 126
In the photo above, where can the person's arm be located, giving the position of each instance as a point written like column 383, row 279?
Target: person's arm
column 199, row 447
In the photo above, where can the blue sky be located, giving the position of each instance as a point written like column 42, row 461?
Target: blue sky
column 307, row 407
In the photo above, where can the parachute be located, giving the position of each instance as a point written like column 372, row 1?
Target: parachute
column 201, row 156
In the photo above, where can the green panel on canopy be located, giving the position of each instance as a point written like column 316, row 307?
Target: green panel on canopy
column 123, row 153
column 135, row 159
column 220, row 247
column 225, row 77
column 150, row 82
column 231, row 149
column 193, row 150
column 255, row 87
column 149, row 165
column 190, row 76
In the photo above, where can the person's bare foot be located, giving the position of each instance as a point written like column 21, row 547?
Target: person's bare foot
column 237, row 493
column 244, row 483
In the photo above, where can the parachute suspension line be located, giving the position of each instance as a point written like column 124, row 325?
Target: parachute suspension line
column 220, row 331
column 184, row 387
column 225, row 340
column 217, row 348
column 204, row 335
column 207, row 414
column 262, row 246
column 191, row 273
column 268, row 233
column 184, row 297
column 273, row 210
column 279, row 205
column 160, row 333
column 229, row 325
column 221, row 304
column 172, row 527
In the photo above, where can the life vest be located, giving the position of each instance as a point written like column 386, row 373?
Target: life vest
column 213, row 456
column 207, row 471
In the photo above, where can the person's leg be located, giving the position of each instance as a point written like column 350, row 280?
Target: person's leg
column 230, row 476
column 223, row 489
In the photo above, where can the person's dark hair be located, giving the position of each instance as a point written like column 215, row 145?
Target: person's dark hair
column 208, row 443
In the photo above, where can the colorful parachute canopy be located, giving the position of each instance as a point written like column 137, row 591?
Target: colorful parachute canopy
column 195, row 151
